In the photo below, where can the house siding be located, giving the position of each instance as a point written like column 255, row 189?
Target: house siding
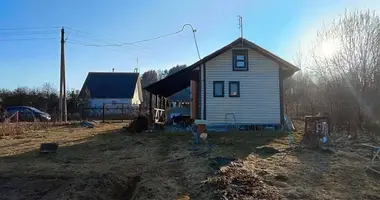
column 98, row 103
column 259, row 101
column 136, row 96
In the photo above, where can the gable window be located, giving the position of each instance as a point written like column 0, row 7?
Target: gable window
column 240, row 60
column 218, row 88
column 234, row 89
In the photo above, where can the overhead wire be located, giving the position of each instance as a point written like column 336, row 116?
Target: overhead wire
column 46, row 31
column 99, row 41
column 83, row 44
column 28, row 33
column 26, row 39
column 29, row 28
column 146, row 40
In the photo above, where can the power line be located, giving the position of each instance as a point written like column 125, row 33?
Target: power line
column 29, row 28
column 11, row 35
column 108, row 48
column 151, row 39
column 147, row 40
column 26, row 39
column 100, row 46
column 88, row 35
column 99, row 41
column 28, row 33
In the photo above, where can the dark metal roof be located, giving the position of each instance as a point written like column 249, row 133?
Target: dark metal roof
column 110, row 84
column 179, row 81
column 173, row 83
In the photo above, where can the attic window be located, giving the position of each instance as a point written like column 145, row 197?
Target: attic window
column 240, row 60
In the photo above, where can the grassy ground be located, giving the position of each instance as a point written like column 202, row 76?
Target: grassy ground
column 104, row 163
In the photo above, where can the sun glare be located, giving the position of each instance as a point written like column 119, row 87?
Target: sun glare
column 329, row 47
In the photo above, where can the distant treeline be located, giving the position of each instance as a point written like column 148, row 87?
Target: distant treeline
column 45, row 98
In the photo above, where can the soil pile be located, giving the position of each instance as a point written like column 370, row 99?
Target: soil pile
column 238, row 183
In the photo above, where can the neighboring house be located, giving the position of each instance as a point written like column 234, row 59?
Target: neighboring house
column 240, row 80
column 112, row 88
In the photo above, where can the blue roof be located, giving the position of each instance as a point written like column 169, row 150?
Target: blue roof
column 113, row 85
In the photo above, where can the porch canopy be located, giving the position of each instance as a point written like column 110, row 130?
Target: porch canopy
column 174, row 82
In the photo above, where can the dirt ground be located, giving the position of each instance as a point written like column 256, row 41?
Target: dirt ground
column 105, row 163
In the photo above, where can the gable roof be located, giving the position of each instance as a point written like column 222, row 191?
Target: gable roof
column 163, row 87
column 110, row 84
column 244, row 43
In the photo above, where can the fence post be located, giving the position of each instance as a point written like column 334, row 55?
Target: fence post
column 81, row 114
column 103, row 112
column 150, row 108
column 122, row 112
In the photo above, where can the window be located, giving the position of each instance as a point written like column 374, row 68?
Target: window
column 240, row 60
column 234, row 89
column 218, row 88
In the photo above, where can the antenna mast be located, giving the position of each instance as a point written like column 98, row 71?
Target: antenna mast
column 137, row 69
column 241, row 28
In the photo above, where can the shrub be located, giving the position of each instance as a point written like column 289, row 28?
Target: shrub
column 139, row 124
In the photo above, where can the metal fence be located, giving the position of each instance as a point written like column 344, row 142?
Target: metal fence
column 117, row 111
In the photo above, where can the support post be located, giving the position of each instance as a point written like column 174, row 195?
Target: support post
column 156, row 103
column 103, row 112
column 122, row 112
column 281, row 81
column 204, row 92
column 150, row 108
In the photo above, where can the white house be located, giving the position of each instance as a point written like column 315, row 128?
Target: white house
column 241, row 81
column 112, row 89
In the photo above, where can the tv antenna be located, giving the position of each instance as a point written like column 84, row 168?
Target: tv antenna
column 241, row 28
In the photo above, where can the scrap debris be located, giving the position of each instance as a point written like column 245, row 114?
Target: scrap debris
column 238, row 183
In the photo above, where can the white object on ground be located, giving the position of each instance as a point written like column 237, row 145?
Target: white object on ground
column 203, row 136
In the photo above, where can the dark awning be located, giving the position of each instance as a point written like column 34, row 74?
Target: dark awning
column 174, row 83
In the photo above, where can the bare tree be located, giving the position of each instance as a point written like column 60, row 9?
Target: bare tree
column 345, row 58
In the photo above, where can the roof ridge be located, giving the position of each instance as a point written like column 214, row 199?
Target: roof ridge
column 114, row 72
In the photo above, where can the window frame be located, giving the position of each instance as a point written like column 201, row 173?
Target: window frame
column 236, row 53
column 238, row 88
column 218, row 82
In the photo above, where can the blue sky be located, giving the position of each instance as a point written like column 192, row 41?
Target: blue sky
column 282, row 27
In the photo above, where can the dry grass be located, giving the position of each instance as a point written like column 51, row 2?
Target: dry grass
column 20, row 128
column 103, row 163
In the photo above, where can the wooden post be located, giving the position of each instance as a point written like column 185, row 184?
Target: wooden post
column 122, row 112
column 103, row 112
column 150, row 108
column 194, row 99
column 156, row 101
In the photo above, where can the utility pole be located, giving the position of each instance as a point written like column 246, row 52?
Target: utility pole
column 62, row 88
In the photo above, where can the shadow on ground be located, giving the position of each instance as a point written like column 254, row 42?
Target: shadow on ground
column 113, row 165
